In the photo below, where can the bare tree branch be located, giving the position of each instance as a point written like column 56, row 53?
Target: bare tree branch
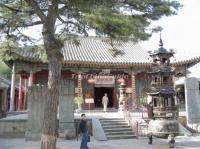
column 33, row 24
column 63, row 21
column 20, row 34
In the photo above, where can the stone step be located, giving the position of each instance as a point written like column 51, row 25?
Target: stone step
column 111, row 120
column 115, row 126
column 120, row 133
column 114, row 137
column 117, row 129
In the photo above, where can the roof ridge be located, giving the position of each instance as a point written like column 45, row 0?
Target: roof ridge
column 104, row 38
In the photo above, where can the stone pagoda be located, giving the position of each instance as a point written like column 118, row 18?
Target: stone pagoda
column 161, row 96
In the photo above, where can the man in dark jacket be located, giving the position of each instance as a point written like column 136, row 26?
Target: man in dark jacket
column 83, row 130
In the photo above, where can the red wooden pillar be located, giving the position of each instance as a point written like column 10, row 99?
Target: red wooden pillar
column 34, row 79
column 20, row 94
column 80, row 93
column 133, row 84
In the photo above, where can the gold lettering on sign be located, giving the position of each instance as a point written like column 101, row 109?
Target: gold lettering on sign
column 104, row 80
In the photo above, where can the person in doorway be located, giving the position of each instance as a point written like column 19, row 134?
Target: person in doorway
column 84, row 132
column 105, row 102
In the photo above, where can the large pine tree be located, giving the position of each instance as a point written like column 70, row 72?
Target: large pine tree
column 117, row 19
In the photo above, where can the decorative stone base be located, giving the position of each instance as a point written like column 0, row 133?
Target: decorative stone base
column 162, row 128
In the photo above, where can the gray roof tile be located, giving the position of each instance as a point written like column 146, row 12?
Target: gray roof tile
column 97, row 50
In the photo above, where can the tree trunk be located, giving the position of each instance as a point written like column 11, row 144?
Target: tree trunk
column 50, row 125
column 49, row 135
column 53, row 47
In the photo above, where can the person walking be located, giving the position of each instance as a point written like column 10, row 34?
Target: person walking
column 105, row 102
column 84, row 132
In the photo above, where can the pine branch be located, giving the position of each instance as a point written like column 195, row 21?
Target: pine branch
column 10, row 8
column 19, row 10
column 81, row 29
column 130, row 4
column 37, row 10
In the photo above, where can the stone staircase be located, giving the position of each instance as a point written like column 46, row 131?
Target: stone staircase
column 116, row 128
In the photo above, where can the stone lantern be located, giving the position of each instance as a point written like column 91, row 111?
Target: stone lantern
column 122, row 97
column 162, row 93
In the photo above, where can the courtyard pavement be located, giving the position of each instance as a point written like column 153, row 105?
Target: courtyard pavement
column 182, row 142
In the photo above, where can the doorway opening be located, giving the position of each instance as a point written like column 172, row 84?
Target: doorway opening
column 99, row 93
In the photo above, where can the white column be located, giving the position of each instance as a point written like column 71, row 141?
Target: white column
column 30, row 79
column 20, row 94
column 12, row 90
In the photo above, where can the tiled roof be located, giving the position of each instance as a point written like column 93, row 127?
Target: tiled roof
column 99, row 50
column 4, row 82
column 188, row 63
column 30, row 55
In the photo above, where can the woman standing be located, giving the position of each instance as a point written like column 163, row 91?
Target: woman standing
column 105, row 102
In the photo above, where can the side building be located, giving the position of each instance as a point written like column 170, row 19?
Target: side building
column 5, row 86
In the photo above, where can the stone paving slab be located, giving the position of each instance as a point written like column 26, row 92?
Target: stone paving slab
column 141, row 143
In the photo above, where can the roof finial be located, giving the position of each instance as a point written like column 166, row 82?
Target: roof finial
column 161, row 42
